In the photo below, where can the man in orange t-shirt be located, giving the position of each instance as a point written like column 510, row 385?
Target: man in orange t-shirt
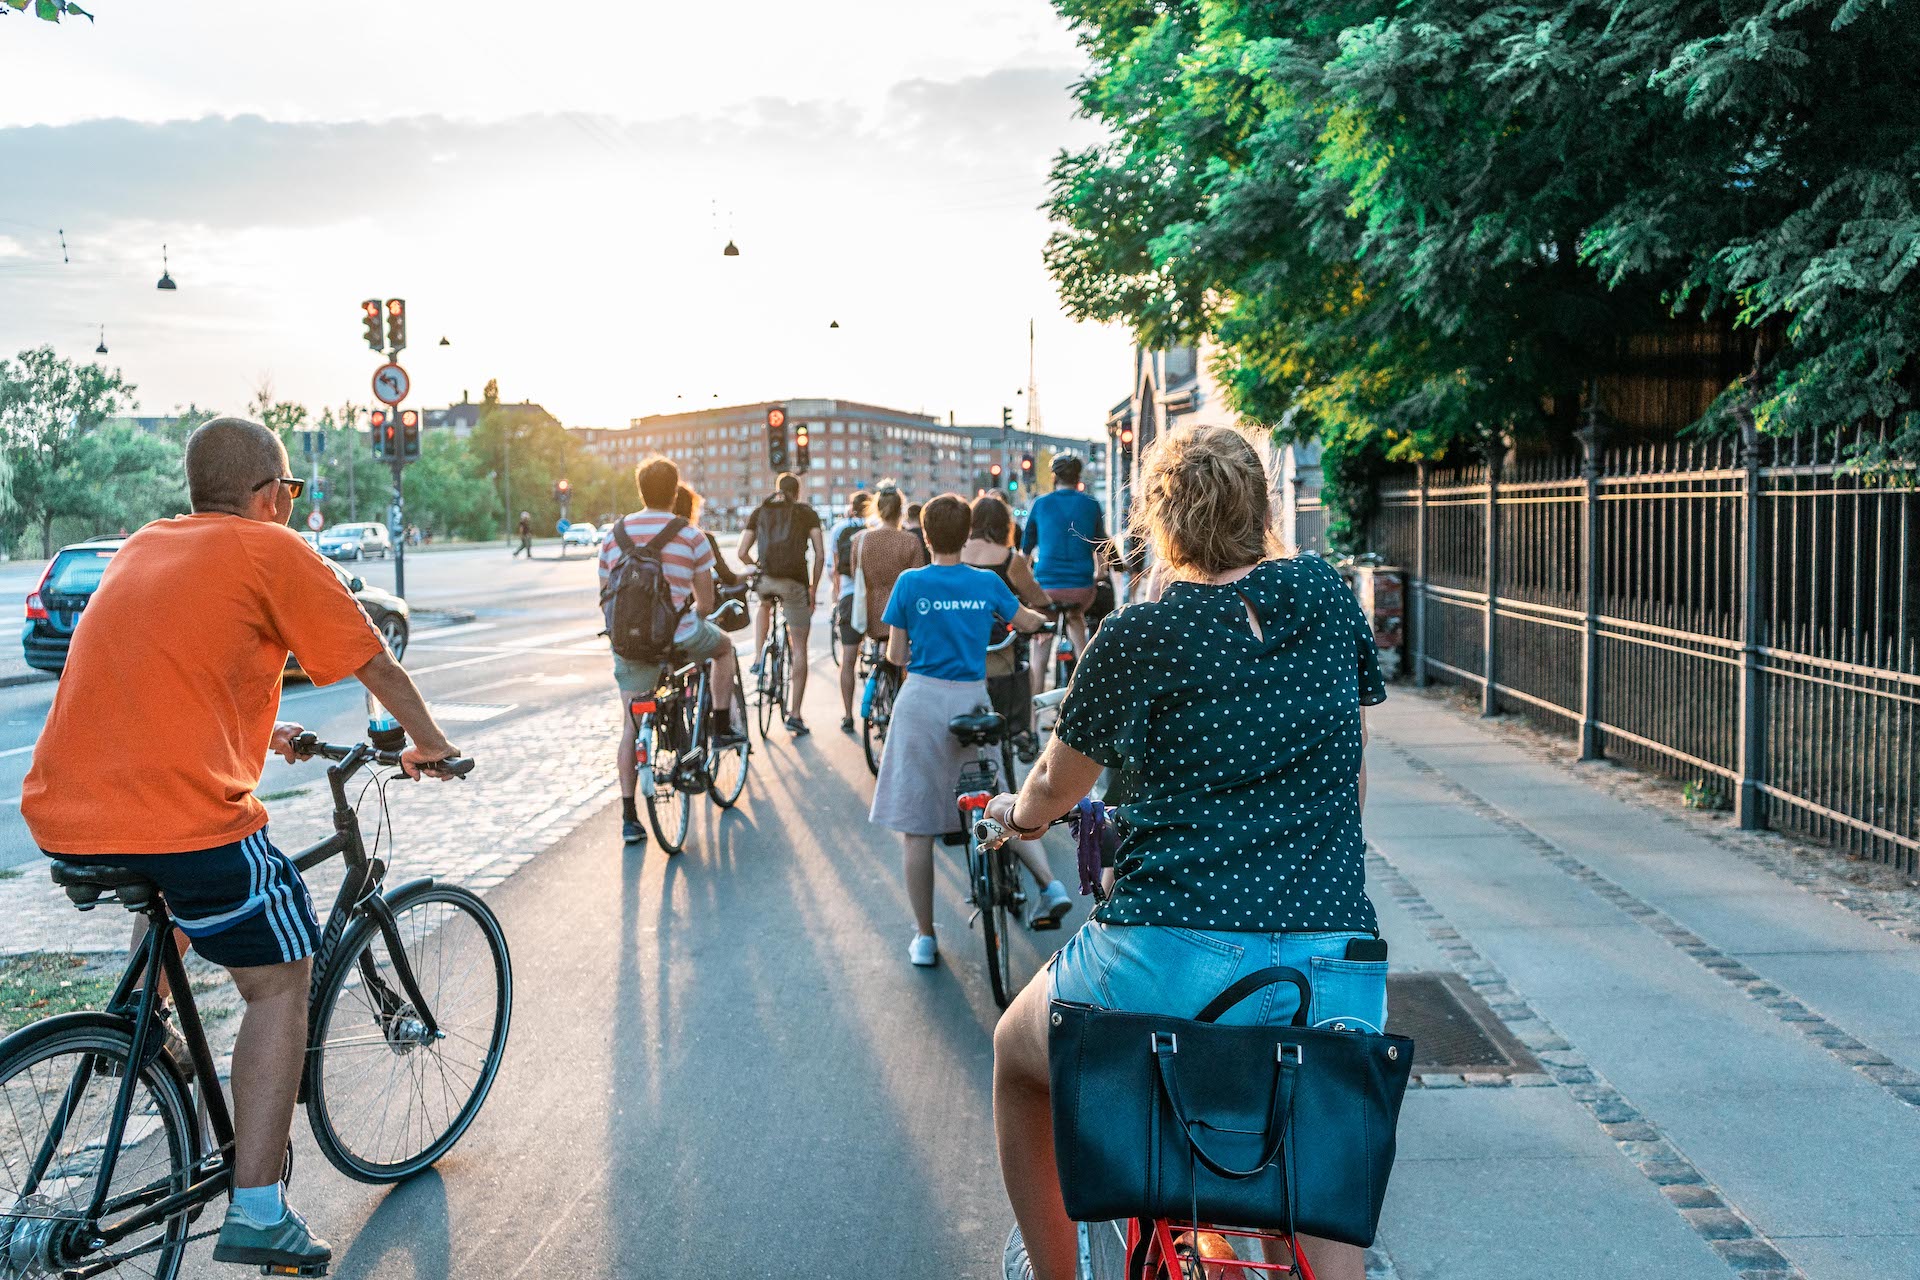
column 156, row 741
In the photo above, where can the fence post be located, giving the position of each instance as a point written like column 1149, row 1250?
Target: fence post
column 1489, row 702
column 1590, row 457
column 1748, row 748
column 1420, row 579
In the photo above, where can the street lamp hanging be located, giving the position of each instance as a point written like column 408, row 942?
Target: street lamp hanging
column 102, row 348
column 731, row 251
column 166, row 275
column 444, row 342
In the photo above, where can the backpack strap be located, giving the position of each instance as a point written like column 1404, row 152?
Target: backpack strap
column 622, row 537
column 659, row 541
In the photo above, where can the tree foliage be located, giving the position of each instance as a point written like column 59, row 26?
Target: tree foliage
column 61, row 457
column 1412, row 225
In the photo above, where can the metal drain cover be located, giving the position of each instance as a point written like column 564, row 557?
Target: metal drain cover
column 1452, row 1029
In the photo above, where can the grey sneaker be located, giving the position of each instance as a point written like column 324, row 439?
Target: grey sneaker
column 1015, row 1265
column 287, row 1243
column 1054, row 904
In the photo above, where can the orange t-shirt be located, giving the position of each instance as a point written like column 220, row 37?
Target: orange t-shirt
column 163, row 719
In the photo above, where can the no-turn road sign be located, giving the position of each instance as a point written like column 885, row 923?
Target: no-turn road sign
column 390, row 384
column 316, row 521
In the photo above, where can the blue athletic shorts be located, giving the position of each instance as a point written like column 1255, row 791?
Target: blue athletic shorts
column 241, row 904
column 1162, row 969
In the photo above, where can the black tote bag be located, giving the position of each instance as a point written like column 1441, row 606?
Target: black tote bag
column 1276, row 1127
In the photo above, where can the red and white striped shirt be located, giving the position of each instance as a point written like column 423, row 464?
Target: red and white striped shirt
column 686, row 554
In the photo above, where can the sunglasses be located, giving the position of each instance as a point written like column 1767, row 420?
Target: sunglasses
column 297, row 486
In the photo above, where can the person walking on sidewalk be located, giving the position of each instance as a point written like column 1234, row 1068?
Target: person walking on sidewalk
column 202, row 669
column 940, row 618
column 686, row 561
column 1231, row 713
column 784, row 529
column 526, row 536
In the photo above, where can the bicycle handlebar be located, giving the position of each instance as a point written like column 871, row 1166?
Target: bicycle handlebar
column 307, row 745
column 993, row 833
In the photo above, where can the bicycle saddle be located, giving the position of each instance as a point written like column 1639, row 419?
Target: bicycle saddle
column 978, row 728
column 85, row 883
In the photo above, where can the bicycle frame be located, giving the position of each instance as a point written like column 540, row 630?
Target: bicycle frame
column 680, row 685
column 211, row 1174
column 1158, row 1235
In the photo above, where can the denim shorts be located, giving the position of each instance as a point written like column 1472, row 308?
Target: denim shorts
column 241, row 904
column 1177, row 971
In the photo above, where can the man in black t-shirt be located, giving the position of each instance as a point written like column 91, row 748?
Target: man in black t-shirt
column 783, row 528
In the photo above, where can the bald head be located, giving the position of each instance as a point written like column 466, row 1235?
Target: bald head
column 227, row 459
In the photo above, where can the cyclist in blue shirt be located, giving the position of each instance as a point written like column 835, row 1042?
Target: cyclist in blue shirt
column 942, row 618
column 1065, row 534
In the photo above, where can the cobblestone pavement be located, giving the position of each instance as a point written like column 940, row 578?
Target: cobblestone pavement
column 536, row 779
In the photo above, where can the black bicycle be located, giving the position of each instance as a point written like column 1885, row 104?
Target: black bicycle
column 773, row 687
column 107, row 1158
column 677, row 757
column 879, row 685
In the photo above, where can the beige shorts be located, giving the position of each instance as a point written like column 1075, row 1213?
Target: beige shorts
column 793, row 598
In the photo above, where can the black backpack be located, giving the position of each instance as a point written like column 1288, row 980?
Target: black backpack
column 637, row 599
column 783, row 547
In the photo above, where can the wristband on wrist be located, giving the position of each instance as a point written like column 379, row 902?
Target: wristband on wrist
column 1013, row 823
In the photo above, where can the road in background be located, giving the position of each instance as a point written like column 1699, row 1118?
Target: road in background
column 533, row 640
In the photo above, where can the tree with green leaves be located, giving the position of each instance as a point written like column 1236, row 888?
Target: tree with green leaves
column 49, row 10
column 1411, row 227
column 62, row 462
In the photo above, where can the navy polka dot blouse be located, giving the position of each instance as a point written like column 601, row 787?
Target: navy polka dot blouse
column 1235, row 757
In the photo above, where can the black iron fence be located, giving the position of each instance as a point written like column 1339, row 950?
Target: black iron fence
column 1745, row 617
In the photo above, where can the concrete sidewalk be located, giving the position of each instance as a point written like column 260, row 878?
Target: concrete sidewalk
column 1732, row 1060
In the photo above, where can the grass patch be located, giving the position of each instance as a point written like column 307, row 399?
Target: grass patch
column 288, row 794
column 43, row 984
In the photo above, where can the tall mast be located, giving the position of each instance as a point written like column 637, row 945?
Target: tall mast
column 1033, row 387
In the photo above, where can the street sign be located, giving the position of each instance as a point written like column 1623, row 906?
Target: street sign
column 562, row 525
column 316, row 521
column 390, row 384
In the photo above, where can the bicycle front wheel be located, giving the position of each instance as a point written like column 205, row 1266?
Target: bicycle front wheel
column 59, row 1081
column 387, row 1097
column 989, row 898
column 728, row 771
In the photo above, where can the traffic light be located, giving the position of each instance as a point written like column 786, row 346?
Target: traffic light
column 1026, row 469
column 409, row 434
column 1006, row 418
column 777, row 437
column 1126, row 437
column 802, row 458
column 397, row 324
column 382, row 434
column 562, row 490
column 994, row 471
column 370, row 317
column 1013, row 486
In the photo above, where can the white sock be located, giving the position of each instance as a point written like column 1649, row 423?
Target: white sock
column 262, row 1204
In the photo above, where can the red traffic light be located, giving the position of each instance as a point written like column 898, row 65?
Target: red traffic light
column 994, row 471
column 379, row 418
column 564, row 487
column 409, row 418
column 776, row 417
column 1126, row 435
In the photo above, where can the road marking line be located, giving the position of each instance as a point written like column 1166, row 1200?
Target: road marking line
column 469, row 712
column 13, row 802
column 18, row 751
column 459, row 629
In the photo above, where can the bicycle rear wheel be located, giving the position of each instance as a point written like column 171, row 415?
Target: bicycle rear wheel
column 669, row 806
column 771, row 690
column 386, row 1097
column 873, row 728
column 727, row 766
column 59, row 1081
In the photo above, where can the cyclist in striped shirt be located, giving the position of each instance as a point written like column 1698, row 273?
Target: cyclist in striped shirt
column 687, row 562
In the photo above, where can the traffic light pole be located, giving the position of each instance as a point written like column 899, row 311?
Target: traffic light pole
column 397, row 526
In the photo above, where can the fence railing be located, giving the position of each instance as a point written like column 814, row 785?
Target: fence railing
column 1745, row 617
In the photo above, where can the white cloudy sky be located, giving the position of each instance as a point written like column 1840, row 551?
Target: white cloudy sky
column 550, row 186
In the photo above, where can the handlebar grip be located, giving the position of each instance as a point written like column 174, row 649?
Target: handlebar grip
column 451, row 767
column 990, row 833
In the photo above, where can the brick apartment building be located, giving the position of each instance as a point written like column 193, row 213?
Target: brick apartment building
column 722, row 452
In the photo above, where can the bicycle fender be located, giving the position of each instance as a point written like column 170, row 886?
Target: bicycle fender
column 394, row 894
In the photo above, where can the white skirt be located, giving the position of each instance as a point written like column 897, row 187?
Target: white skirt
column 920, row 768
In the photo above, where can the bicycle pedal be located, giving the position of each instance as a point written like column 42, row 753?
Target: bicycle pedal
column 277, row 1269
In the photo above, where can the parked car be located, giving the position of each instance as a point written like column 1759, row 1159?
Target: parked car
column 54, row 607
column 356, row 541
column 580, row 535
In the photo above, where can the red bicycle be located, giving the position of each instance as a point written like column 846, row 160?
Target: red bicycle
column 1162, row 1249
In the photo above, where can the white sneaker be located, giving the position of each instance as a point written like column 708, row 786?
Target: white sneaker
column 1054, row 904
column 924, row 950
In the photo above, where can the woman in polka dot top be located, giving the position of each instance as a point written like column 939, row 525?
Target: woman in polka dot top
column 1229, row 713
